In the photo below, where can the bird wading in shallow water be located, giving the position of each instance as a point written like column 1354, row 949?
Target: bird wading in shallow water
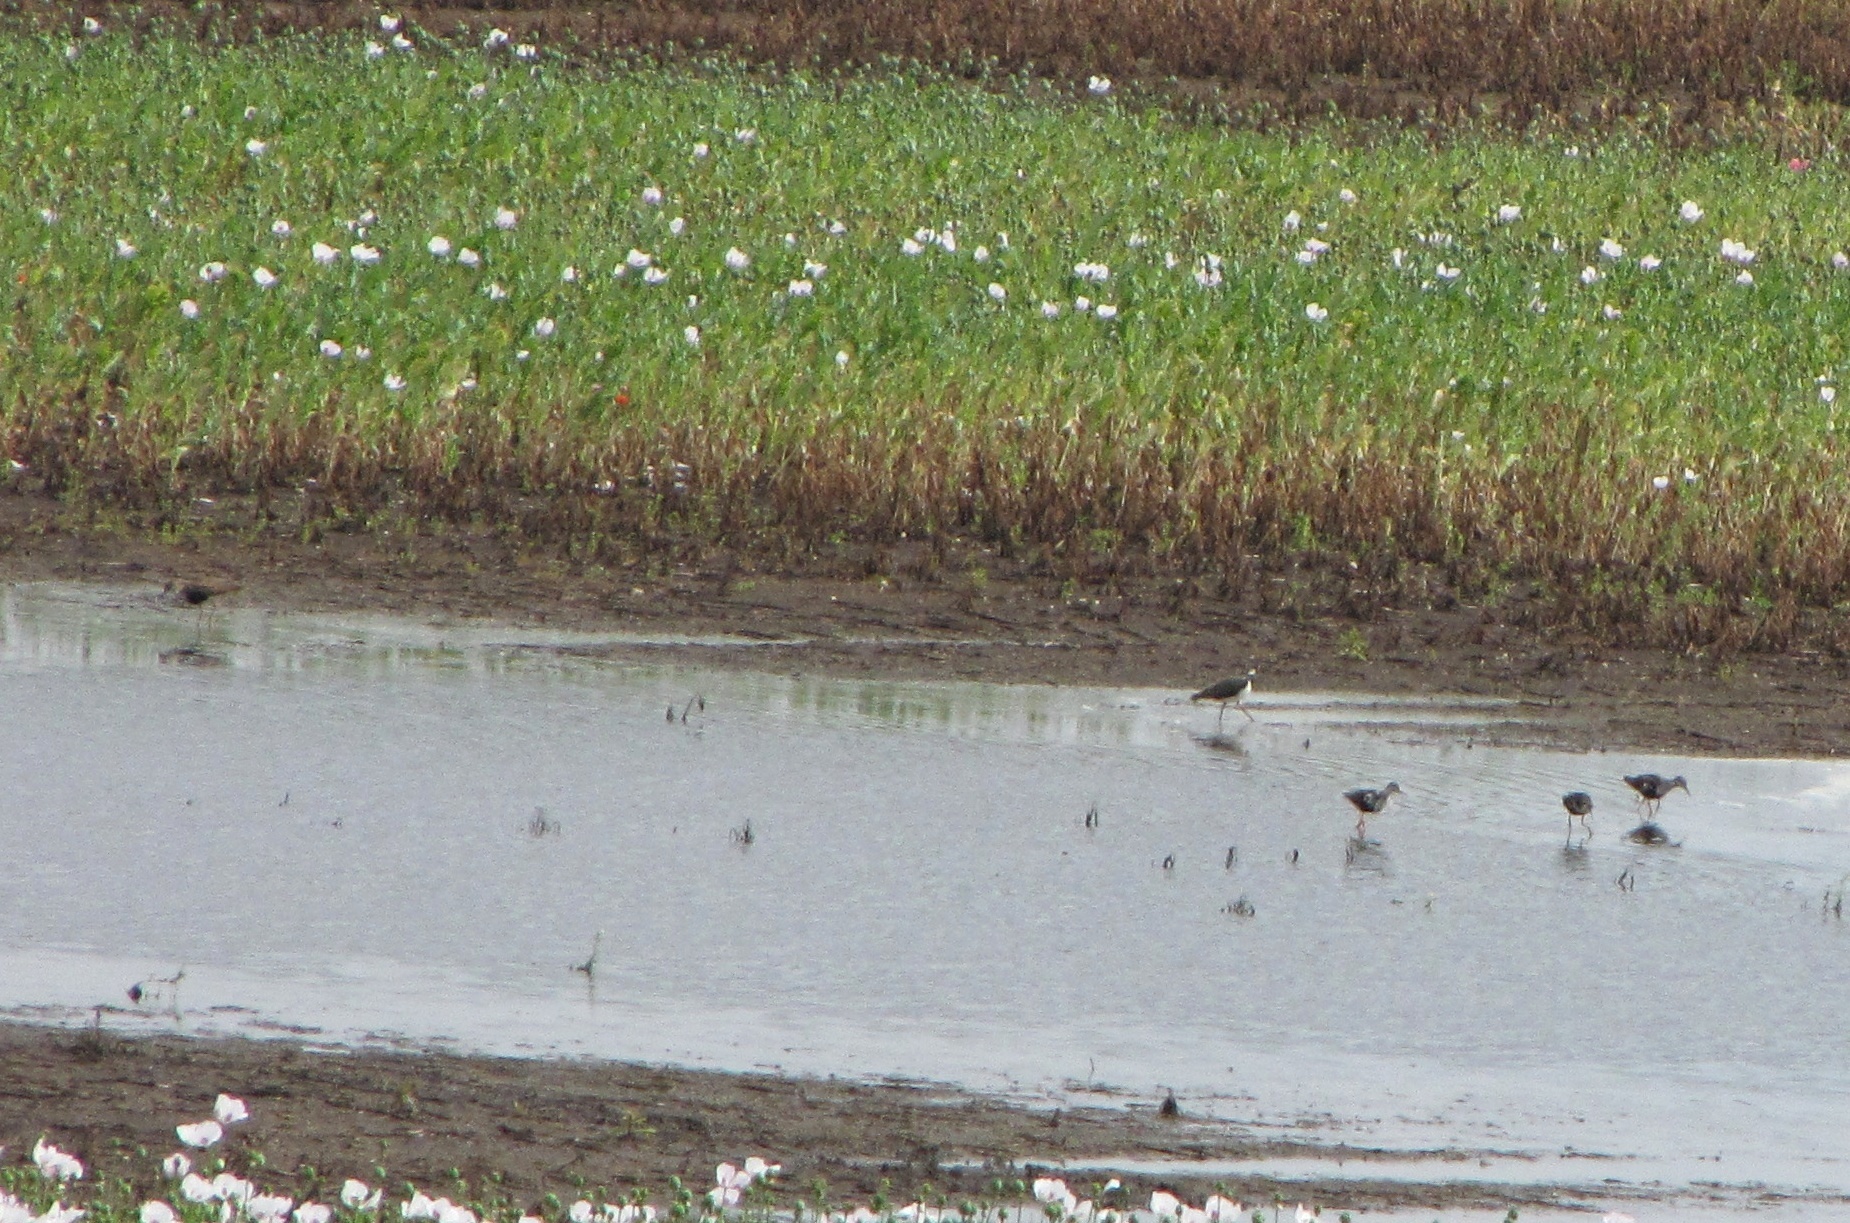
column 1653, row 789
column 1579, row 806
column 1234, row 691
column 1370, row 802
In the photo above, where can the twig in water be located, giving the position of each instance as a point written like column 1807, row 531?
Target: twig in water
column 589, row 967
column 1092, row 816
column 1233, row 855
column 743, row 834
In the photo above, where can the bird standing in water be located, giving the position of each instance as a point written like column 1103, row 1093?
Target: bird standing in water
column 1370, row 802
column 1233, row 690
column 1579, row 806
column 1653, row 789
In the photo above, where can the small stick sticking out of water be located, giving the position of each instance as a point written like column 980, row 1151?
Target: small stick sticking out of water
column 671, row 715
column 1092, row 816
column 1233, row 855
column 1239, row 908
column 285, row 801
column 1294, row 857
column 743, row 835
column 589, row 967
column 1626, row 880
column 1169, row 862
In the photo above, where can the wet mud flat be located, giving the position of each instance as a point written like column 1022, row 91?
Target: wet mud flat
column 856, row 612
column 524, row 1128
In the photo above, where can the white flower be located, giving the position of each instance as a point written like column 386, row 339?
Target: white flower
column 1316, row 313
column 1092, row 273
column 48, row 215
column 1307, row 257
column 526, row 51
column 323, row 253
column 1691, row 212
column 701, row 149
column 1660, row 483
column 1736, row 252
column 997, row 293
column 355, row 1196
column 478, row 91
column 392, row 383
column 229, row 1110
column 814, row 270
column 737, row 259
column 638, row 259
column 911, row 247
column 677, row 226
column 1589, row 275
column 1613, row 313
column 1446, row 273
column 1399, row 256
column 837, row 229
column 506, row 218
column 1840, row 261
column 176, row 1166
column 250, row 112
column 790, row 241
column 841, row 359
column 1082, row 304
column 1292, row 221
column 189, row 309
column 468, row 258
column 1650, row 263
column 374, row 50
column 1745, row 278
column 125, row 249
column 522, row 355
column 264, row 277
column 92, row 26
column 1050, row 309
column 401, row 43
column 654, row 276
column 802, row 288
column 1611, row 249
column 691, row 334
column 1136, row 241
column 1346, row 196
column 256, row 148
column 55, row 1164
column 496, row 38
column 1098, row 86
column 1509, row 214
column 389, row 22
column 187, row 111
column 71, row 52
column 438, row 246
column 281, row 228
column 652, row 196
column 268, row 1207
column 331, row 349
column 158, row 1212
column 360, row 352
column 364, row 255
column 1106, row 312
column 1208, row 274
column 213, row 272
column 1827, row 393
column 495, row 292
column 544, row 328
column 746, row 135
column 201, row 1134
column 980, row 254
column 947, row 239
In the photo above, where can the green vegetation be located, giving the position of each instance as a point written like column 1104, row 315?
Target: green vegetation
column 1486, row 387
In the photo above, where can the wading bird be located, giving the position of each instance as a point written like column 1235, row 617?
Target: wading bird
column 1579, row 806
column 1653, row 789
column 1233, row 690
column 1370, row 802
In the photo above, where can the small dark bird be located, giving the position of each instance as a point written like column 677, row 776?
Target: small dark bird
column 1370, row 802
column 1579, row 806
column 1234, row 690
column 1653, row 789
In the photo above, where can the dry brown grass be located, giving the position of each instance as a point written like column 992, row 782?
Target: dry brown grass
column 1427, row 58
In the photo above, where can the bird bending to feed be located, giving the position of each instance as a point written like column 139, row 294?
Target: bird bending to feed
column 1579, row 806
column 193, row 594
column 1370, row 802
column 1653, row 789
column 1235, row 690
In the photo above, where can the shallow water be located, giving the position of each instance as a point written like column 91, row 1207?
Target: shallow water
column 334, row 834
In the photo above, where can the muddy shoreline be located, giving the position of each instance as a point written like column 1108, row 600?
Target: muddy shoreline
column 517, row 1130
column 979, row 616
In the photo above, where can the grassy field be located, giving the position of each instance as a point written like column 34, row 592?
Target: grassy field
column 864, row 306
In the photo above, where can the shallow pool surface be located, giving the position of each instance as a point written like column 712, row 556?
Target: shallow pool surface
column 353, row 831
